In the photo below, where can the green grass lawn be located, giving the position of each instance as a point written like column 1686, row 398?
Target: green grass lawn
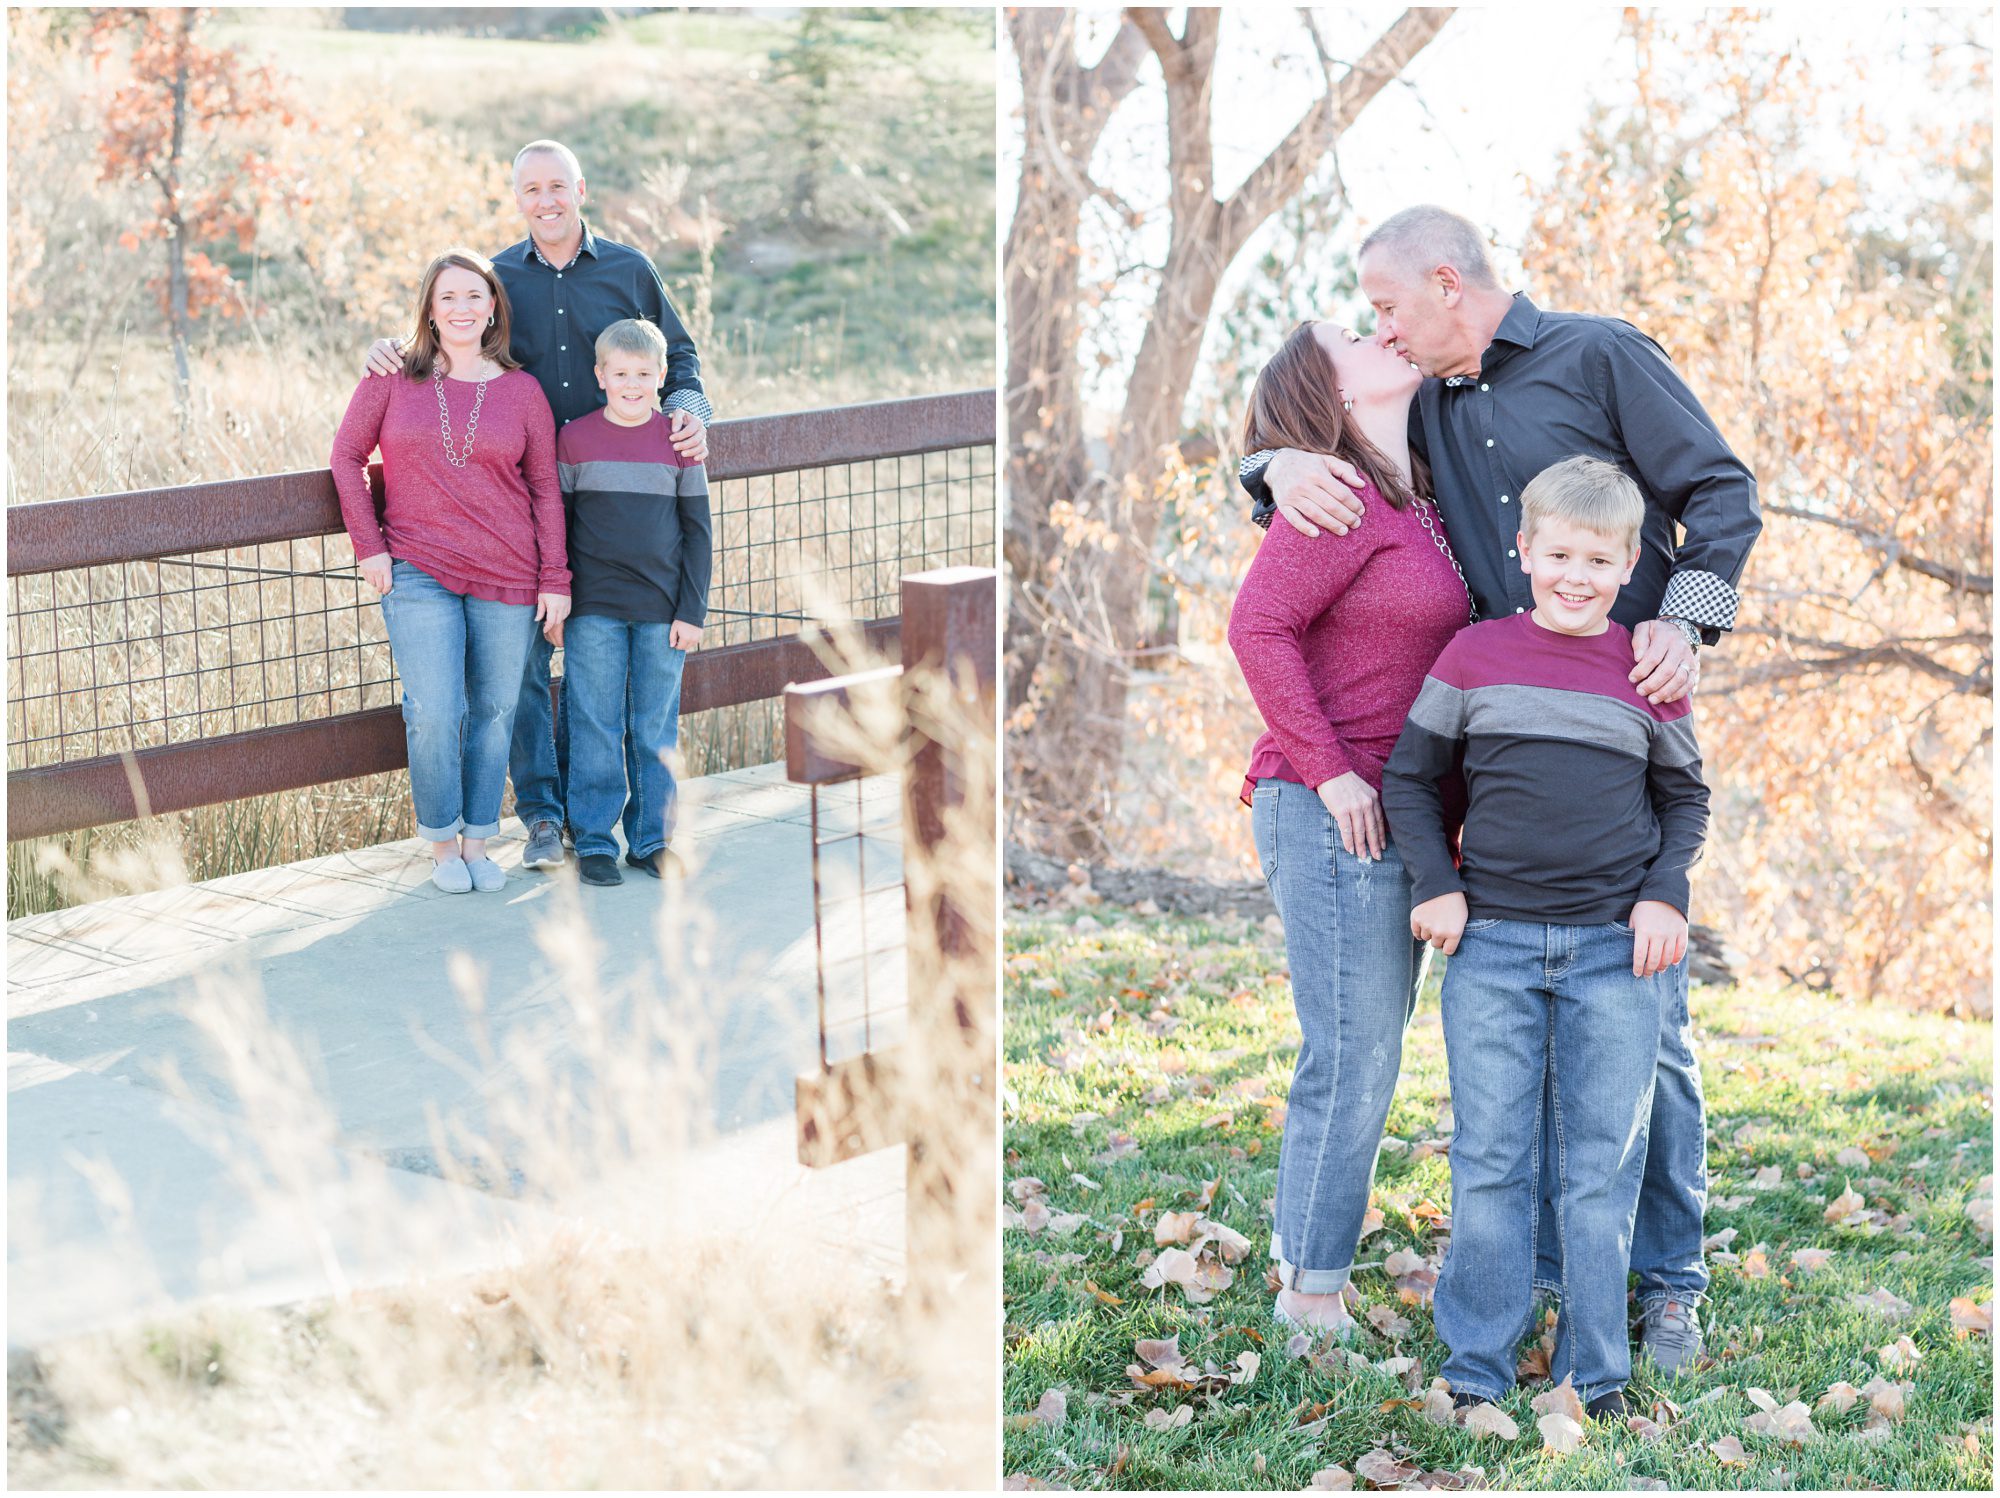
column 1147, row 1061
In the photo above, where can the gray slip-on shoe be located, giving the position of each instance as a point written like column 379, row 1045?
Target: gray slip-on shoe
column 452, row 876
column 487, row 876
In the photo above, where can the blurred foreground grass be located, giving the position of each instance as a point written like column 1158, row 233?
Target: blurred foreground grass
column 1147, row 1060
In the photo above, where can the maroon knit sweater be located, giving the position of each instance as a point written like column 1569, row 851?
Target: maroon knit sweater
column 492, row 529
column 1334, row 635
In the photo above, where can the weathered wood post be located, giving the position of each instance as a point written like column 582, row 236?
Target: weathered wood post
column 935, row 1092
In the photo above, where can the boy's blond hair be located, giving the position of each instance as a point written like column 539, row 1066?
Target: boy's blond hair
column 1589, row 492
column 632, row 336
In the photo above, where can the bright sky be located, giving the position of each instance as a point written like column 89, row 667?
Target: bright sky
column 1484, row 108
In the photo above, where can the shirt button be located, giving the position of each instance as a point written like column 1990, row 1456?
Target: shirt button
column 1503, row 498
column 1486, row 387
column 559, row 313
column 565, row 384
column 1520, row 611
column 1489, row 441
column 558, row 275
column 1513, row 553
column 565, row 348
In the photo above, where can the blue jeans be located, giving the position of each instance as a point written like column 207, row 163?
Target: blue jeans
column 622, row 688
column 1355, row 974
column 1666, row 1237
column 460, row 661
column 539, row 752
column 1548, row 1037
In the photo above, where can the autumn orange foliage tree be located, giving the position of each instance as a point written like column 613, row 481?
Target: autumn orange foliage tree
column 174, row 124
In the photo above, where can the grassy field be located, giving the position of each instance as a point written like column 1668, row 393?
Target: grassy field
column 1147, row 1061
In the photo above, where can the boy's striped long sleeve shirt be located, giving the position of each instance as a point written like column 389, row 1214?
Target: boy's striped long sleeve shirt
column 1584, row 797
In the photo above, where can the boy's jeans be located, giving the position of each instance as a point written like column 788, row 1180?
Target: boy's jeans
column 538, row 758
column 1666, row 1236
column 460, row 661
column 1544, row 1021
column 1355, row 972
column 622, row 684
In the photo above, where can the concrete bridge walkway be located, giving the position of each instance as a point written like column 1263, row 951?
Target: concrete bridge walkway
column 166, row 1144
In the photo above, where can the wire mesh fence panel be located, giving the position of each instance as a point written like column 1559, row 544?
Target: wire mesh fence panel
column 113, row 648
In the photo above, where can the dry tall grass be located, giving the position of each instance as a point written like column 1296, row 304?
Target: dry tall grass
column 655, row 1355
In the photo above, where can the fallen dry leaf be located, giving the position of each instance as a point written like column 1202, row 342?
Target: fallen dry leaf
column 1969, row 1319
column 1165, row 1354
column 1811, row 1260
column 1491, row 1420
column 1438, row 1408
column 1053, row 1408
column 1729, row 1451
column 1383, row 1470
column 1402, row 1262
column 1885, row 1397
column 1881, row 1301
column 1561, row 1400
column 1334, row 1479
column 1247, row 1364
column 1560, row 1434
column 1756, row 1264
column 1767, row 1178
column 1899, row 1354
column 1103, row 1297
column 1157, row 1419
column 1174, row 1227
column 1035, row 1216
column 1846, row 1204
column 1644, row 1429
column 1792, row 1422
column 1840, row 1397
column 1853, row 1158
column 1021, row 1188
column 1232, row 1245
column 1718, row 1240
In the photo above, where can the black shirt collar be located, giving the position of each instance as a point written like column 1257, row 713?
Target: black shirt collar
column 1517, row 330
column 588, row 246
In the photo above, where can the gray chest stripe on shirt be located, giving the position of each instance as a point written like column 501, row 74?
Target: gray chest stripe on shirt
column 626, row 478
column 1551, row 713
column 1674, row 745
column 1440, row 708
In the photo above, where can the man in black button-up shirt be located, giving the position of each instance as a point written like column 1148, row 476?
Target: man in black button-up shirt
column 565, row 285
column 1510, row 389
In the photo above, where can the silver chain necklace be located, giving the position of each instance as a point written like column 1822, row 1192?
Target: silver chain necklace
column 1437, row 536
column 458, row 460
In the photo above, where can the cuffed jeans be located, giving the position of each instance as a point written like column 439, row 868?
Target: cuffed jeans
column 1552, row 1046
column 1355, row 974
column 1667, row 1234
column 622, row 689
column 460, row 660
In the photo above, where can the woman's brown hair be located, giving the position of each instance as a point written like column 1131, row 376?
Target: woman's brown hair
column 1296, row 403
column 421, row 353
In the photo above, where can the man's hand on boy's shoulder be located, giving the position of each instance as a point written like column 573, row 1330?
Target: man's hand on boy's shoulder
column 684, row 636
column 689, row 436
column 1659, row 937
column 1440, row 921
column 1666, row 668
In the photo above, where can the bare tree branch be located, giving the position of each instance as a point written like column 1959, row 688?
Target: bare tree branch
column 1963, row 579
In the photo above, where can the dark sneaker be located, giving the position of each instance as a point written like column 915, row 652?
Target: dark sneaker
column 1466, row 1401
column 1609, row 1406
column 545, row 847
column 659, row 863
column 598, row 868
column 1670, row 1332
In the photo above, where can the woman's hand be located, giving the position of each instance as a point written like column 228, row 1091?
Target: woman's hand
column 375, row 571
column 1659, row 937
column 1440, row 921
column 551, row 609
column 1357, row 811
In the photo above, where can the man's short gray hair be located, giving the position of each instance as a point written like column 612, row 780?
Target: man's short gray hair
column 549, row 148
column 1422, row 238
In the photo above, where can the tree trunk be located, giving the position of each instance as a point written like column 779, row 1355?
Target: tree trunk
column 177, row 283
column 1079, row 542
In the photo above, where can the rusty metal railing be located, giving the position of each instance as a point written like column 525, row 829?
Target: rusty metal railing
column 173, row 648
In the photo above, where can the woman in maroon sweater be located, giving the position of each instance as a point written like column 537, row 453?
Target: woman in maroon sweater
column 467, row 551
column 1334, row 635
